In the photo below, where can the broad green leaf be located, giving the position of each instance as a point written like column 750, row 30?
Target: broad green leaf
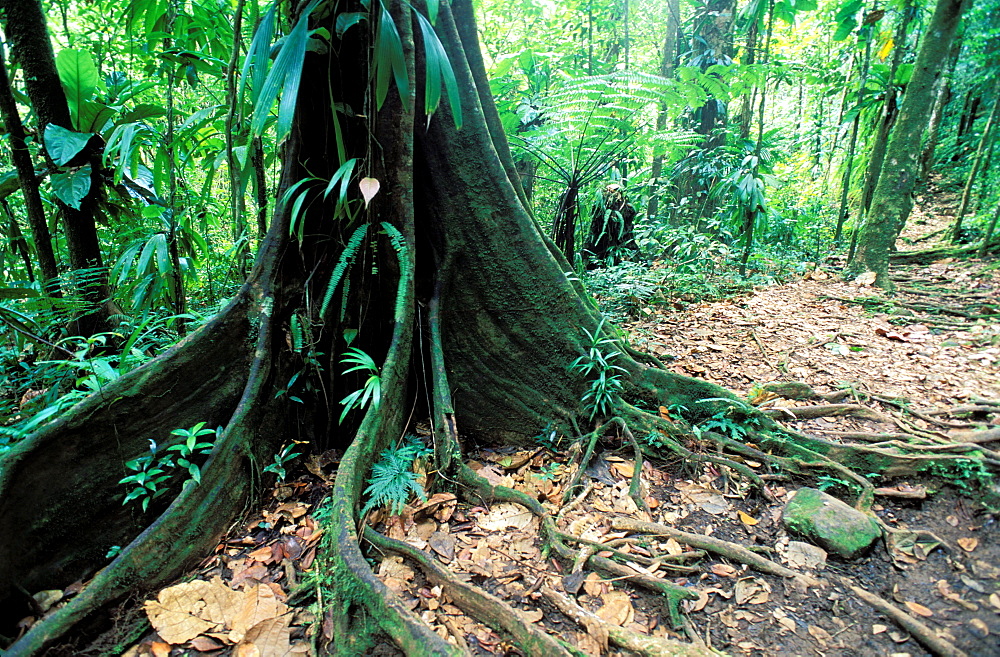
column 141, row 112
column 438, row 69
column 258, row 59
column 78, row 75
column 8, row 183
column 347, row 20
column 72, row 187
column 63, row 145
column 94, row 117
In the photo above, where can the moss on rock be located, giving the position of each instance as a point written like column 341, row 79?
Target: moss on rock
column 830, row 523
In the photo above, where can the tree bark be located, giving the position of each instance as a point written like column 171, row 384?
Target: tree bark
column 668, row 57
column 892, row 200
column 941, row 99
column 970, row 182
column 30, row 46
column 29, row 183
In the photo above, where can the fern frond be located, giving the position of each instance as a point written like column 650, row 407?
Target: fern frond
column 346, row 256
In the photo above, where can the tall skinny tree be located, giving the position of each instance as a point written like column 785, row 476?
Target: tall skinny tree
column 892, row 199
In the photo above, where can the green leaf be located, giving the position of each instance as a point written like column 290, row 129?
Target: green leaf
column 94, row 116
column 389, row 59
column 63, row 145
column 78, row 75
column 438, row 69
column 17, row 293
column 258, row 60
column 347, row 20
column 72, row 187
column 284, row 78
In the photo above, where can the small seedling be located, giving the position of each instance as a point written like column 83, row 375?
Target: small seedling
column 281, row 459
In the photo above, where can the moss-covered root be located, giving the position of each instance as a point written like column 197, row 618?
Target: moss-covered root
column 711, row 544
column 481, row 605
column 647, row 646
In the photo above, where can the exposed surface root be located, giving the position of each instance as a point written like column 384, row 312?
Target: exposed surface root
column 921, row 631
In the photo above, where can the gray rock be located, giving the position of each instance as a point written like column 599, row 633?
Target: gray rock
column 828, row 522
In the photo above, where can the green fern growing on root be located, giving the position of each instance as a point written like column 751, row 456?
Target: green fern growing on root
column 393, row 480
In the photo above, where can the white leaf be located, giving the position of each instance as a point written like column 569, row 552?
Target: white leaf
column 369, row 188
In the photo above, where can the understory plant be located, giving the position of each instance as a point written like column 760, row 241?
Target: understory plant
column 393, row 480
column 153, row 472
column 603, row 376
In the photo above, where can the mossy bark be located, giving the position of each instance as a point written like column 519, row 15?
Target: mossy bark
column 892, row 200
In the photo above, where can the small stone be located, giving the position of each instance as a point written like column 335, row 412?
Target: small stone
column 830, row 523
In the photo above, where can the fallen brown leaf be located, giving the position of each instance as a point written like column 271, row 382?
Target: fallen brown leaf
column 968, row 544
column 918, row 609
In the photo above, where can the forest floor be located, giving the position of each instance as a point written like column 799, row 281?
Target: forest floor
column 923, row 361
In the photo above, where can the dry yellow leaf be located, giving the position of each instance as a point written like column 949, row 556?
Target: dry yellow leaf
column 176, row 614
column 532, row 615
column 593, row 585
column 159, row 649
column 258, row 604
column 625, row 469
column 271, row 637
column 918, row 609
column 723, row 570
column 886, row 48
column 878, row 629
column 821, row 635
column 968, row 544
column 747, row 519
column 752, row 591
column 673, row 548
column 617, row 608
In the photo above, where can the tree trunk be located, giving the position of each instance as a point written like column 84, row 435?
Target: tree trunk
column 713, row 46
column 29, row 183
column 970, row 182
column 892, row 200
column 668, row 57
column 31, row 48
column 941, row 99
column 507, row 322
column 887, row 119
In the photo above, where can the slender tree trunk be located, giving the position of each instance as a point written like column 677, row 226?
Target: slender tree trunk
column 237, row 172
column 886, row 120
column 752, row 213
column 30, row 45
column 668, row 57
column 988, row 237
column 891, row 202
column 17, row 242
column 750, row 57
column 941, row 100
column 178, row 294
column 29, row 184
column 984, row 144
